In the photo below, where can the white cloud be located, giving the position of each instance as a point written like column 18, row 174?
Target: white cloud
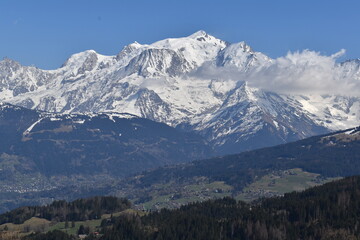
column 296, row 73
column 306, row 72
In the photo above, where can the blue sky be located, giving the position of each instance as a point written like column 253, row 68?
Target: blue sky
column 45, row 33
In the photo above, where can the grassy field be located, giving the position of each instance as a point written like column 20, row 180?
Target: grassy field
column 42, row 225
column 187, row 194
column 275, row 184
column 280, row 182
column 92, row 224
column 33, row 223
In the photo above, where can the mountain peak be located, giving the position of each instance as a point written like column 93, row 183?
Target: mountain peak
column 8, row 61
column 129, row 51
column 243, row 45
column 196, row 49
column 79, row 58
column 203, row 36
column 134, row 45
column 8, row 64
column 355, row 60
column 242, row 56
column 200, row 33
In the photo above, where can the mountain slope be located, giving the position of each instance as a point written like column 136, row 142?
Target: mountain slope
column 118, row 144
column 330, row 156
column 250, row 119
column 43, row 151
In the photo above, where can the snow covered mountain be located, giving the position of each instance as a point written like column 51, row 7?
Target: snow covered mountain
column 196, row 83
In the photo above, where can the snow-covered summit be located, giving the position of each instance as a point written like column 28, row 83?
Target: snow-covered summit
column 200, row 33
column 197, row 48
column 241, row 56
column 87, row 61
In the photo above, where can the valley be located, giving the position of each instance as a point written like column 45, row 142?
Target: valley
column 328, row 215
column 247, row 176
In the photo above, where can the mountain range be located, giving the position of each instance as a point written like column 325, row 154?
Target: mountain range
column 173, row 81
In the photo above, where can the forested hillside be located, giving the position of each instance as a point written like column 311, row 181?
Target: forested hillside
column 329, row 156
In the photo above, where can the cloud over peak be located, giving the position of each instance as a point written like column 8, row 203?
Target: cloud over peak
column 300, row 72
column 307, row 72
